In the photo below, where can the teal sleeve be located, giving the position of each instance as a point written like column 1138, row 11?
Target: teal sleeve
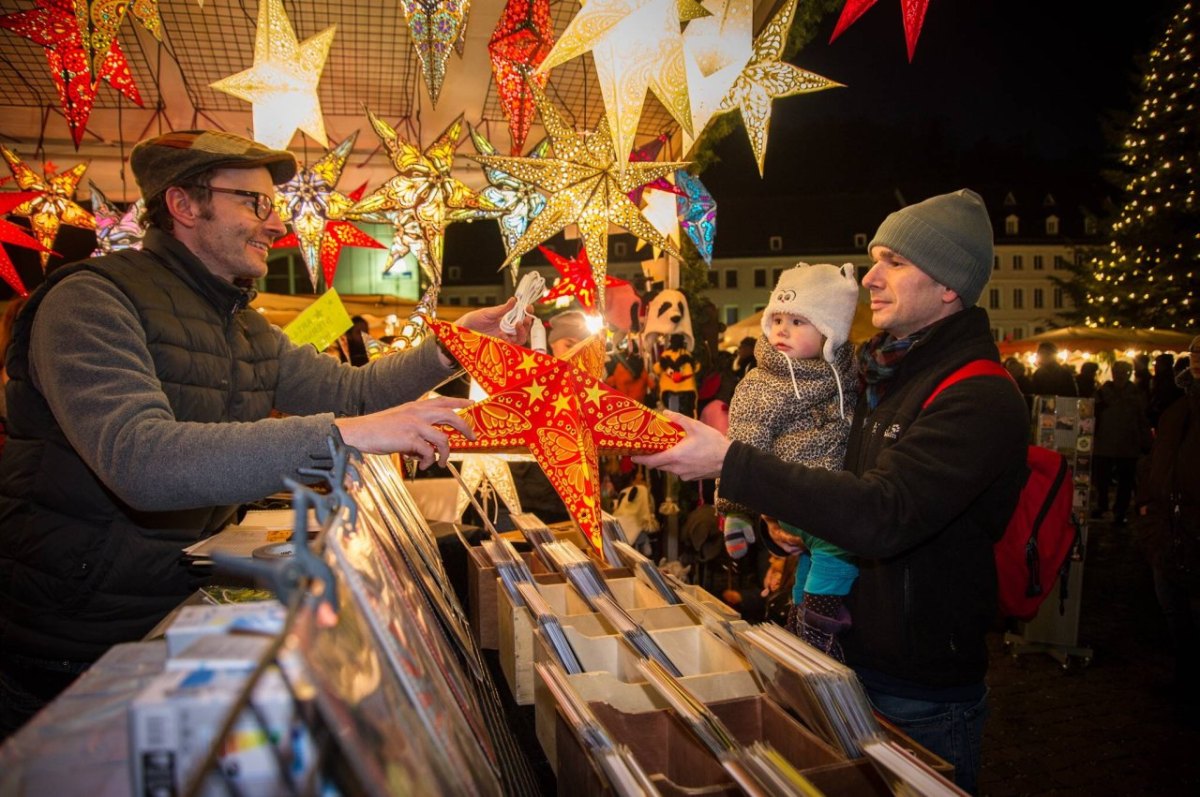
column 833, row 570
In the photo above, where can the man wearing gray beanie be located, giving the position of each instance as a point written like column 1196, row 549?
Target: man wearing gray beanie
column 928, row 486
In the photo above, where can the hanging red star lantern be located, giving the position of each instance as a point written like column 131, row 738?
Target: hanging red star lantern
column 12, row 234
column 914, row 18
column 565, row 417
column 645, row 154
column 336, row 234
column 577, row 279
column 53, row 26
column 521, row 41
column 98, row 21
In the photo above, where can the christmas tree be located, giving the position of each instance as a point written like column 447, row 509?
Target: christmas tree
column 1147, row 277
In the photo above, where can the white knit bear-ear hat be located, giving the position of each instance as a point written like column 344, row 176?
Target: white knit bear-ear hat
column 824, row 294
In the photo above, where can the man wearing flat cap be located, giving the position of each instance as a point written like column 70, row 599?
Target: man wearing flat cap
column 926, row 490
column 139, row 412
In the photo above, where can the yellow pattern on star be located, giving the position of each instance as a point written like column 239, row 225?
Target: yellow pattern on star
column 282, row 84
column 535, row 392
column 424, row 198
column 562, row 403
column 54, row 205
column 593, row 394
column 586, row 187
column 766, row 78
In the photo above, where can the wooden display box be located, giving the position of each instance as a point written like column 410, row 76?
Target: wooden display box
column 516, row 625
column 680, row 765
column 712, row 671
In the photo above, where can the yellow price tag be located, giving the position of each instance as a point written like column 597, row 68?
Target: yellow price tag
column 321, row 323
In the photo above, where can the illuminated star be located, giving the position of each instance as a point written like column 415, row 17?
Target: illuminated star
column 520, row 42
column 309, row 202
column 566, row 443
column 586, row 186
column 98, row 21
column 635, row 45
column 53, row 25
column 577, row 280
column 519, row 201
column 913, row 12
column 697, row 213
column 54, row 204
column 766, row 78
column 424, row 197
column 282, row 84
column 436, row 26
column 493, row 469
column 12, row 234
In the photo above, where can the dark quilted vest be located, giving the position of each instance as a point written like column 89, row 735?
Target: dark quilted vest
column 79, row 569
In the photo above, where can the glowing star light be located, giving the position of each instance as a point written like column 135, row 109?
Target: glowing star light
column 424, row 197
column 912, row 10
column 716, row 49
column 282, row 84
column 549, row 407
column 492, row 468
column 309, row 202
column 587, row 186
column 766, row 78
column 116, row 230
column 12, row 234
column 645, row 154
column 54, row 204
column 436, row 27
column 98, row 21
column 697, row 213
column 522, row 39
column 661, row 213
column 576, row 280
column 635, row 45
column 52, row 25
column 519, row 201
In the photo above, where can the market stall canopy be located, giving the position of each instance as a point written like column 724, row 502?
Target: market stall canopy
column 860, row 329
column 1097, row 339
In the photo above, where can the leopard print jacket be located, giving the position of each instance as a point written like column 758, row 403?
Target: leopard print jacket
column 767, row 413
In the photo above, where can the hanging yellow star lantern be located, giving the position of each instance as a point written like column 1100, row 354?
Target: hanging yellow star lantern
column 585, row 186
column 282, row 84
column 424, row 197
column 54, row 204
column 635, row 45
column 766, row 78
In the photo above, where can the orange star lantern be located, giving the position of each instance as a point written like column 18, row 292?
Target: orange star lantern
column 549, row 407
column 12, row 234
column 53, row 204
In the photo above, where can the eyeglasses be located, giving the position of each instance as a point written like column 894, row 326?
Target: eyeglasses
column 262, row 202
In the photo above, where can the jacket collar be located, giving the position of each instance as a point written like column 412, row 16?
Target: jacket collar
column 226, row 297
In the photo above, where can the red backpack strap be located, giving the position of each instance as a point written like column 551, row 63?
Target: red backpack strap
column 973, row 368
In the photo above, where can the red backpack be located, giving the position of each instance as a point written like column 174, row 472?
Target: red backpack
column 1042, row 531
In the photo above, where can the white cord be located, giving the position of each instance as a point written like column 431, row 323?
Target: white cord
column 531, row 287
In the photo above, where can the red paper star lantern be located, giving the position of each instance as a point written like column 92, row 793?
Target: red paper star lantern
column 914, row 18
column 12, row 234
column 577, row 279
column 522, row 39
column 53, row 26
column 336, row 235
column 565, row 417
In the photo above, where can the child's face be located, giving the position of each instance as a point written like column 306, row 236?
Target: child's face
column 794, row 336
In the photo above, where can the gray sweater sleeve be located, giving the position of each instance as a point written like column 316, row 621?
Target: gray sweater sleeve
column 89, row 358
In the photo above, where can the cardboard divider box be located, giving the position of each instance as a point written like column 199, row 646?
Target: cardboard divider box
column 680, row 765
column 712, row 671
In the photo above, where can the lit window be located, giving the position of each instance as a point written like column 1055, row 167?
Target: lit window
column 1011, row 225
column 1052, row 225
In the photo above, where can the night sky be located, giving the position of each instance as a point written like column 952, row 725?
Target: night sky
column 996, row 86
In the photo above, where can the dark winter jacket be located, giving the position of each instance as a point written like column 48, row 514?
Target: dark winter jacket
column 924, row 496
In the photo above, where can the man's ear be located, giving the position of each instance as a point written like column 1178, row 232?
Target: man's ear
column 184, row 208
column 949, row 295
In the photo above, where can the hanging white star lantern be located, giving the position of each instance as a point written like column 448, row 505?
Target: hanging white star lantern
column 716, row 49
column 282, row 84
column 661, row 212
column 635, row 45
column 492, row 468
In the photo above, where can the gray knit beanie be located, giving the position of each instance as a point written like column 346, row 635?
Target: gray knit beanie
column 948, row 236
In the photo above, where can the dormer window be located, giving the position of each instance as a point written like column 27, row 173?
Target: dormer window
column 1049, row 202
column 1010, row 201
column 1011, row 225
column 775, row 243
column 860, row 240
column 1052, row 225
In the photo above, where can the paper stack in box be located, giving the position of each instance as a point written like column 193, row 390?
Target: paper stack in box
column 193, row 622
